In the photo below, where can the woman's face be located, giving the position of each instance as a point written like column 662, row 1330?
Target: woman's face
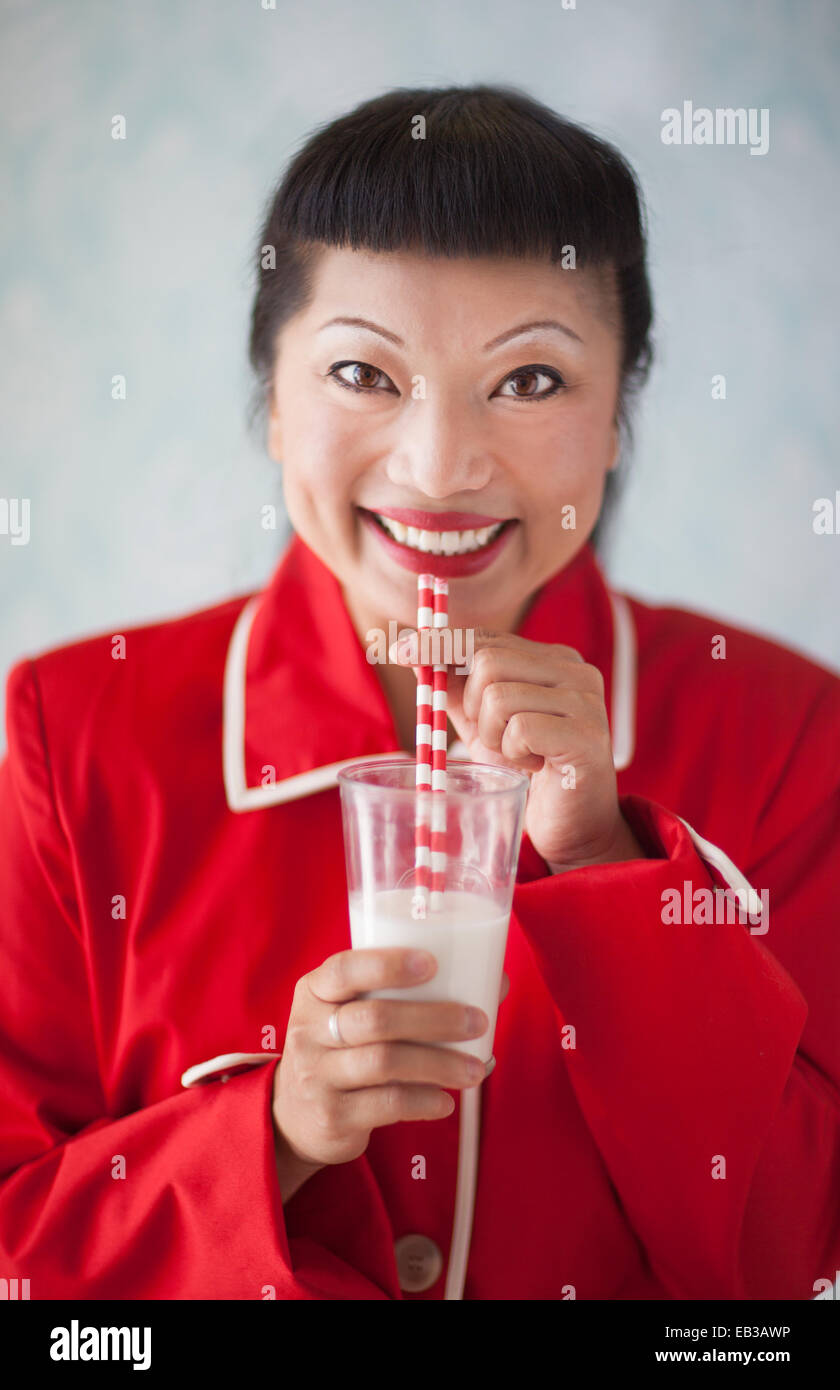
column 485, row 393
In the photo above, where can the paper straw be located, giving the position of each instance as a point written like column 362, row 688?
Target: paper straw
column 438, row 837
column 423, row 752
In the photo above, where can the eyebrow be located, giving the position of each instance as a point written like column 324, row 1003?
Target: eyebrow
column 531, row 328
column 505, row 337
column 364, row 323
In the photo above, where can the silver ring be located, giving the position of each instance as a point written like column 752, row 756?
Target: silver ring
column 335, row 1031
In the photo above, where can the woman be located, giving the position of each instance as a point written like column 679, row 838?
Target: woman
column 450, row 319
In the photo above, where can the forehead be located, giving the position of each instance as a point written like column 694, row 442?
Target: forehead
column 470, row 296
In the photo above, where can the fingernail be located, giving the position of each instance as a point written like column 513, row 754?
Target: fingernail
column 419, row 963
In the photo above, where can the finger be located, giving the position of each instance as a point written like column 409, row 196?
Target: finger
column 464, row 728
column 541, row 664
column 503, row 699
column 347, row 973
column 505, row 987
column 383, row 1020
column 404, row 1063
column 467, row 731
column 545, row 736
column 386, row 1105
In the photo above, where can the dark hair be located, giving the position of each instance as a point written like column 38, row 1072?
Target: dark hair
column 496, row 173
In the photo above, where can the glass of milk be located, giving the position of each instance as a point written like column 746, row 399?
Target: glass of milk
column 467, row 933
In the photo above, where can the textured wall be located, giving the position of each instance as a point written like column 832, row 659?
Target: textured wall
column 132, row 257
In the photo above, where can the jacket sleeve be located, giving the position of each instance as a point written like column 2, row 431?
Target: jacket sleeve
column 179, row 1200
column 720, row 1131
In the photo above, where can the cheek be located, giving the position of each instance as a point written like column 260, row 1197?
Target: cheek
column 563, row 459
column 318, row 452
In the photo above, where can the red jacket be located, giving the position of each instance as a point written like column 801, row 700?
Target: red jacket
column 599, row 1165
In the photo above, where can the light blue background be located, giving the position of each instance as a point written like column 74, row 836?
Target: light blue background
column 133, row 257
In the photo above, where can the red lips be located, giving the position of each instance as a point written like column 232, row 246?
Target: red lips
column 445, row 566
column 438, row 521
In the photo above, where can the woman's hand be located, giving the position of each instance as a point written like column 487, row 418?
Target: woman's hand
column 540, row 707
column 327, row 1098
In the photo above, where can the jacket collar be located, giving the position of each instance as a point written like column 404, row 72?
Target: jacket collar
column 300, row 699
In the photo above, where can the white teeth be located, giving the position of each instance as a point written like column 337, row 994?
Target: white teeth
column 439, row 542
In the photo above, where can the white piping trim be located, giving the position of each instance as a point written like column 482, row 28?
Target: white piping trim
column 241, row 797
column 223, row 1065
column 624, row 676
column 465, row 1185
column 743, row 890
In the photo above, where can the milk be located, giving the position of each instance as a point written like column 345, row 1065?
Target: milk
column 467, row 935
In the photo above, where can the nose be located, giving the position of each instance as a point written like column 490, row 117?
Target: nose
column 440, row 451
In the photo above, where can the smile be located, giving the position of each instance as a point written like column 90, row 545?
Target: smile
column 439, row 542
column 455, row 552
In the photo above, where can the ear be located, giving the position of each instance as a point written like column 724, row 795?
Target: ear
column 275, row 434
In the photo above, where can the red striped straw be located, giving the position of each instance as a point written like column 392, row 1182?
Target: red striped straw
column 438, row 846
column 420, row 903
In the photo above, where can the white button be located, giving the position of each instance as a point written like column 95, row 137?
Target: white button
column 419, row 1263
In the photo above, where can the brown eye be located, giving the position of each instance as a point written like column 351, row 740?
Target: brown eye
column 525, row 384
column 364, row 375
column 361, row 376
